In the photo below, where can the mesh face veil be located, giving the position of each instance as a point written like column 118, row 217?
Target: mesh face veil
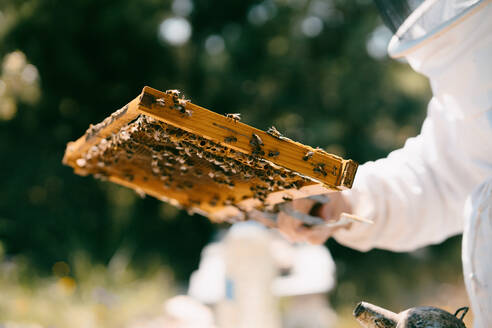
column 413, row 19
column 394, row 12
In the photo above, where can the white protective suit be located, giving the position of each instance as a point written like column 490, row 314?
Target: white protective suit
column 417, row 195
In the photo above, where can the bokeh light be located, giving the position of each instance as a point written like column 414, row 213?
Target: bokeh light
column 182, row 7
column 378, row 41
column 19, row 81
column 312, row 26
column 261, row 13
column 175, row 30
column 214, row 44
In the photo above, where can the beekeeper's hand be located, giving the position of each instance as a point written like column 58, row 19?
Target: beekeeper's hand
column 296, row 231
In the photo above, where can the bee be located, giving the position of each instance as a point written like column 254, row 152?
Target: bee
column 229, row 200
column 160, row 102
column 156, row 170
column 101, row 176
column 236, row 117
column 274, row 132
column 91, row 131
column 192, row 137
column 81, row 162
column 272, row 153
column 298, row 184
column 308, row 155
column 248, row 175
column 230, row 139
column 195, row 202
column 255, row 141
column 258, row 152
column 173, row 92
column 140, row 192
column 214, row 200
column 218, row 160
column 181, row 106
column 320, row 168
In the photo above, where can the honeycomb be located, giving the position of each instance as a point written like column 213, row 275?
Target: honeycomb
column 165, row 146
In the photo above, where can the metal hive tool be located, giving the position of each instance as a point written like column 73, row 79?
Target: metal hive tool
column 178, row 152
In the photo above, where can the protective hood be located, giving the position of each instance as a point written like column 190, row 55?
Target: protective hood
column 454, row 54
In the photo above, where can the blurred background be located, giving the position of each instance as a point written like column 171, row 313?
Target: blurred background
column 79, row 252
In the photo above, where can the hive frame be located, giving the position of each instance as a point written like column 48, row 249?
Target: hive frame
column 326, row 172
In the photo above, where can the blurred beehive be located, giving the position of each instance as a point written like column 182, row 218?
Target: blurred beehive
column 165, row 146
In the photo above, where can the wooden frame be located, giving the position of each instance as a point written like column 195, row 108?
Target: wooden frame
column 322, row 172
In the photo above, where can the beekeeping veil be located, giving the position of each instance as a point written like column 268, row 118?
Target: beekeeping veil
column 449, row 41
column 423, row 16
column 415, row 21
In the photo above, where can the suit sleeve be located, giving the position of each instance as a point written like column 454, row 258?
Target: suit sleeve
column 416, row 195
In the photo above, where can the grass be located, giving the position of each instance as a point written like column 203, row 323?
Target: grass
column 84, row 295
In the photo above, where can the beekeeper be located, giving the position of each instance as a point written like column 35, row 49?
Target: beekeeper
column 440, row 183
